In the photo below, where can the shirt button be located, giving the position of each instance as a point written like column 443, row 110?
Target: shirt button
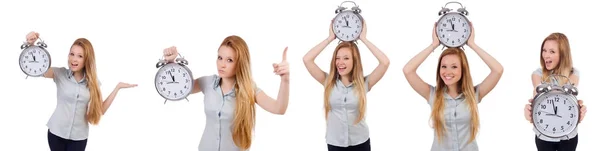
column 77, row 95
column 219, row 114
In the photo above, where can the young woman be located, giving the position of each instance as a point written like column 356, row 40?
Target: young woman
column 345, row 91
column 229, row 97
column 555, row 58
column 454, row 98
column 79, row 100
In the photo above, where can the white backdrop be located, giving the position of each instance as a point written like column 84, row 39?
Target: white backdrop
column 129, row 36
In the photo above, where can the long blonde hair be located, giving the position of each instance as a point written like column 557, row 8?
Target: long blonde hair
column 244, row 118
column 95, row 105
column 565, row 63
column 465, row 85
column 356, row 77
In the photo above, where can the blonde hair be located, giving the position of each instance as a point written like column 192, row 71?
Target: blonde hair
column 465, row 85
column 95, row 107
column 356, row 77
column 565, row 63
column 244, row 117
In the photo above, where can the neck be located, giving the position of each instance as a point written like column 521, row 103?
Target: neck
column 227, row 82
column 346, row 79
column 452, row 90
column 78, row 75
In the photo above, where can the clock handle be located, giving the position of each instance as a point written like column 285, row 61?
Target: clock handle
column 40, row 43
column 181, row 60
column 558, row 75
column 354, row 8
column 462, row 9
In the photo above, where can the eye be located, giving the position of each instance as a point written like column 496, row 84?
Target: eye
column 219, row 58
column 229, row 60
column 552, row 52
column 71, row 54
column 80, row 56
column 346, row 58
column 454, row 67
column 443, row 66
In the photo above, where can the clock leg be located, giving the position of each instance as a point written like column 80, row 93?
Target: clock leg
column 165, row 101
column 187, row 99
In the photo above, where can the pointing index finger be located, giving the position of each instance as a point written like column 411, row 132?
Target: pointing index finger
column 285, row 54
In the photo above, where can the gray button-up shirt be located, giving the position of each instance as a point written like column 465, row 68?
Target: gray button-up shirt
column 68, row 120
column 546, row 138
column 219, row 109
column 341, row 130
column 457, row 116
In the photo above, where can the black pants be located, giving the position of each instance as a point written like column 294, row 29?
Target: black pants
column 60, row 144
column 366, row 146
column 563, row 145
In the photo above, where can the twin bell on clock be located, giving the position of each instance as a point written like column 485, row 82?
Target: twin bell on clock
column 34, row 60
column 173, row 80
column 453, row 28
column 555, row 110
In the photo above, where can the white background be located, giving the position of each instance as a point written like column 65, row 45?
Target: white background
column 129, row 36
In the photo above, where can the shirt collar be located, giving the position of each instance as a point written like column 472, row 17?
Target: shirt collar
column 70, row 74
column 447, row 96
column 217, row 85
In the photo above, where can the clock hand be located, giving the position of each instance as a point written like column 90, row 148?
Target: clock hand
column 553, row 107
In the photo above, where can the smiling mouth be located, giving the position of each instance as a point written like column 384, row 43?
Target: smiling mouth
column 74, row 64
column 448, row 77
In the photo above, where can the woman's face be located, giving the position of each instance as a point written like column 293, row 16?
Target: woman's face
column 76, row 60
column 550, row 54
column 450, row 69
column 226, row 62
column 343, row 61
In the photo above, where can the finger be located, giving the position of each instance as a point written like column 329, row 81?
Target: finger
column 285, row 54
column 530, row 100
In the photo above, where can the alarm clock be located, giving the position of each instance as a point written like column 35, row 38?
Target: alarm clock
column 34, row 59
column 555, row 110
column 174, row 80
column 348, row 23
column 453, row 28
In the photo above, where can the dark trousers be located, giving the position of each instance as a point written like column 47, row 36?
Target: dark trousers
column 563, row 145
column 366, row 146
column 60, row 144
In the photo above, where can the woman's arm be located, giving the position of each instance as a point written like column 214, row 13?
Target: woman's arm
column 384, row 62
column 278, row 106
column 410, row 69
column 496, row 68
column 309, row 59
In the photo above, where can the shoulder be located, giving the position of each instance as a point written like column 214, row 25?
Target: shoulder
column 575, row 72
column 537, row 72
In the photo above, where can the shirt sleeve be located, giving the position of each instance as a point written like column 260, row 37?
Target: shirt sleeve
column 59, row 74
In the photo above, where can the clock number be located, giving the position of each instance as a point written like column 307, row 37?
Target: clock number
column 26, row 57
column 568, row 122
column 572, row 115
column 181, row 91
column 543, row 106
column 453, row 19
column 556, row 99
column 444, row 24
column 562, row 127
column 355, row 21
column 465, row 30
column 570, row 107
column 539, row 112
column 541, row 120
column 163, row 77
column 546, row 126
column 184, row 75
column 45, row 61
column 554, row 129
column 463, row 23
column 172, row 70
column 548, row 101
column 164, row 89
column 187, row 80
column 565, row 102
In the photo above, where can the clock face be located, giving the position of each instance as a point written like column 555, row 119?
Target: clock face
column 555, row 114
column 34, row 61
column 347, row 26
column 453, row 30
column 174, row 82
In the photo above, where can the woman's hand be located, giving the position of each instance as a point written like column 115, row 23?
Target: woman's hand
column 282, row 69
column 32, row 37
column 170, row 54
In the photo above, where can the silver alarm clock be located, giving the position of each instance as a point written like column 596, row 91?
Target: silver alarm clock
column 453, row 28
column 173, row 81
column 555, row 110
column 34, row 60
column 347, row 24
